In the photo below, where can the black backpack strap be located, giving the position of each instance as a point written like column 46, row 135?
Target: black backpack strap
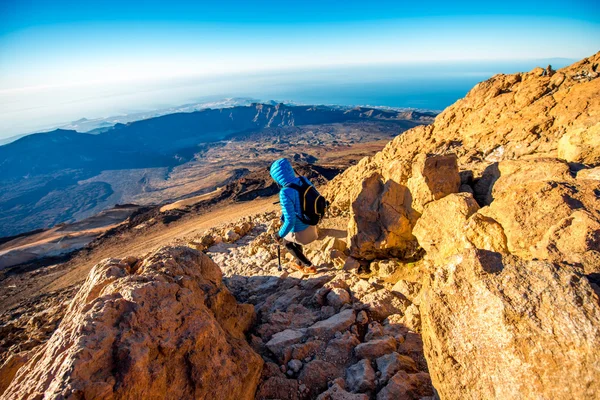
column 305, row 179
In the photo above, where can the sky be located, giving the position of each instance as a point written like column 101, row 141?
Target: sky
column 52, row 48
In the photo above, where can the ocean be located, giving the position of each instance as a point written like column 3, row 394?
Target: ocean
column 429, row 86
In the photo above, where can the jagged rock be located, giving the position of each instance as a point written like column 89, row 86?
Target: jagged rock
column 433, row 177
column 339, row 350
column 331, row 252
column 391, row 363
column 499, row 326
column 409, row 290
column 374, row 331
column 574, row 239
column 316, row 374
column 403, row 386
column 388, row 270
column 381, row 220
column 440, row 228
column 11, row 366
column 338, row 323
column 360, row 377
column 296, row 316
column 203, row 242
column 485, row 233
column 412, row 346
column 336, row 392
column 375, row 348
column 283, row 340
column 165, row 325
column 412, row 318
column 382, row 303
column 581, row 145
column 337, row 297
column 546, row 214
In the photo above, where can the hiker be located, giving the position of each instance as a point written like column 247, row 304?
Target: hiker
column 302, row 207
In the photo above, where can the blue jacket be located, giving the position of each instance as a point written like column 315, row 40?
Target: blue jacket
column 289, row 198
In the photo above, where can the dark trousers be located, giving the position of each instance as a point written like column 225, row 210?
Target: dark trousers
column 297, row 252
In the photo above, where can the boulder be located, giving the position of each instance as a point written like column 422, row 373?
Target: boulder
column 231, row 236
column 337, row 297
column 316, row 374
column 589, row 174
column 387, row 270
column 338, row 323
column 391, row 363
column 339, row 350
column 375, row 348
column 581, row 145
column 283, row 340
column 501, row 327
column 381, row 303
column 545, row 213
column 164, row 325
column 360, row 377
column 332, row 253
column 440, row 228
column 403, row 386
column 381, row 220
column 485, row 233
column 433, row 177
column 412, row 318
column 407, row 289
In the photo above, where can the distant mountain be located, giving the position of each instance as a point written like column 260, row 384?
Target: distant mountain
column 65, row 176
column 166, row 140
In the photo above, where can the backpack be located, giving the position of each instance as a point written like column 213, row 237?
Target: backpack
column 312, row 204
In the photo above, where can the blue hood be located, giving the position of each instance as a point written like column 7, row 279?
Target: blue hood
column 282, row 172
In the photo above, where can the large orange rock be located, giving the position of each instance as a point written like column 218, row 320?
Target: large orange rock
column 506, row 117
column 499, row 327
column 164, row 327
column 381, row 220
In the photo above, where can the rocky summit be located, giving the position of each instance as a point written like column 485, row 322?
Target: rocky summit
column 460, row 262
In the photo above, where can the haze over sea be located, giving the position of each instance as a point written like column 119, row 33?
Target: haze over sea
column 431, row 86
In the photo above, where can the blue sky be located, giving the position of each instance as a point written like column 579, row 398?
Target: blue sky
column 68, row 42
column 59, row 45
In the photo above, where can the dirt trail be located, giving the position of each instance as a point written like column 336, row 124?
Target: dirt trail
column 21, row 286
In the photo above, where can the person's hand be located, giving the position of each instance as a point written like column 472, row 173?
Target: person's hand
column 277, row 238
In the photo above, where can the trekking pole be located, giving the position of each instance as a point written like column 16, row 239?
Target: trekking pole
column 279, row 257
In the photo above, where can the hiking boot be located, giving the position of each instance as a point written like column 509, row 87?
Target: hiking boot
column 310, row 270
column 306, row 270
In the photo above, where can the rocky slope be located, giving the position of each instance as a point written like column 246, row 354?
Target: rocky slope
column 461, row 262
